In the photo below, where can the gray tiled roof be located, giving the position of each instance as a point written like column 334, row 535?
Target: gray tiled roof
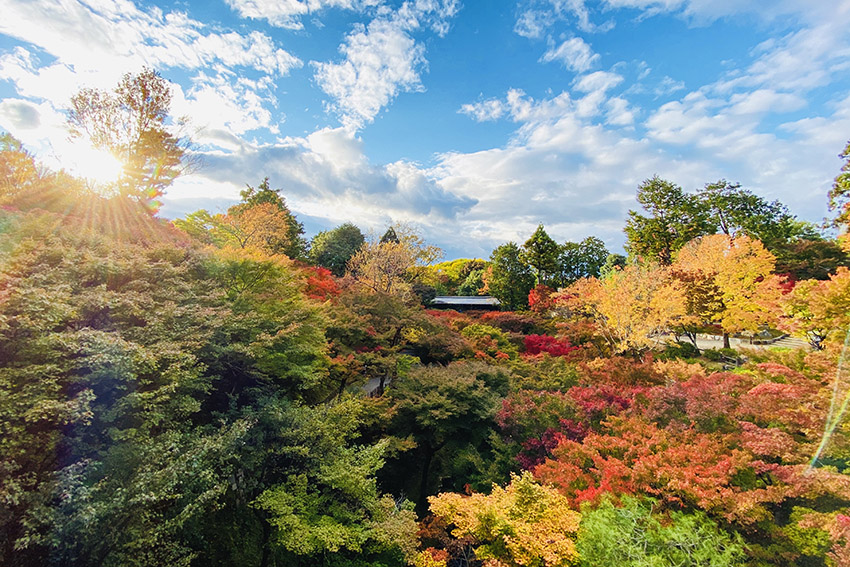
column 484, row 300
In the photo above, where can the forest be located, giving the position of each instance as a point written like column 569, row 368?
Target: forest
column 218, row 390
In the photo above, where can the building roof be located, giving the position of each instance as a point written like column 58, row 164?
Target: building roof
column 466, row 300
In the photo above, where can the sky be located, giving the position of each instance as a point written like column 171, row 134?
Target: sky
column 474, row 121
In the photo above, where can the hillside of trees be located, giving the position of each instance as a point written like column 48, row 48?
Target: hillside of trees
column 218, row 390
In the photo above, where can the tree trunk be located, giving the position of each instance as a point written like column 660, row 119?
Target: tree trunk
column 267, row 533
column 726, row 343
column 422, row 500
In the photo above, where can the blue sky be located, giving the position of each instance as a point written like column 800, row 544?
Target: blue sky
column 474, row 121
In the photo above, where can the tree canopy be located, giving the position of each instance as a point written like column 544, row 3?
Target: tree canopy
column 131, row 122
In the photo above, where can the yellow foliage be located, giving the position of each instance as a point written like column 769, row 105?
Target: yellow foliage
column 820, row 310
column 629, row 305
column 740, row 271
column 678, row 370
column 524, row 524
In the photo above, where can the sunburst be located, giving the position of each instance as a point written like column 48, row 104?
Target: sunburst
column 97, row 166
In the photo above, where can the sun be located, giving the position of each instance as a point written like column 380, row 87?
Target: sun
column 95, row 165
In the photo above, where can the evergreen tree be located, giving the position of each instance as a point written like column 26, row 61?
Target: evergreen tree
column 509, row 278
column 674, row 218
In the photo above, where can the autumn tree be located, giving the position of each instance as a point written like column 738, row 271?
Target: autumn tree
column 819, row 310
column 521, row 524
column 540, row 252
column 131, row 123
column 509, row 278
column 261, row 221
column 392, row 263
column 673, row 218
column 734, row 277
column 629, row 306
column 289, row 241
column 805, row 259
column 18, row 168
column 333, row 249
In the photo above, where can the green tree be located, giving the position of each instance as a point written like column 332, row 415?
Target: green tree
column 734, row 211
column 445, row 412
column 131, row 123
column 806, row 259
column 579, row 260
column 637, row 534
column 674, row 218
column 612, row 262
column 332, row 249
column 839, row 195
column 509, row 278
column 540, row 252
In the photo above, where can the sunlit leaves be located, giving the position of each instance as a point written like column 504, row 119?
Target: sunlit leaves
column 524, row 524
column 629, row 305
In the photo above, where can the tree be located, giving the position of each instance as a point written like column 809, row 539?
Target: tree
column 839, row 195
column 520, row 525
column 540, row 252
column 734, row 212
column 390, row 265
column 333, row 249
column 636, row 534
column 131, row 124
column 675, row 218
column 18, row 168
column 742, row 292
column 629, row 306
column 509, row 278
column 579, row 260
column 261, row 221
column 612, row 262
column 291, row 240
column 819, row 310
column 806, row 259
column 445, row 411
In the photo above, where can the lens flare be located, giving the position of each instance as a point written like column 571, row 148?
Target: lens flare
column 838, row 404
column 95, row 165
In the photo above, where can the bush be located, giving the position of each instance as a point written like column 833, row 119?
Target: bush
column 719, row 354
column 537, row 344
column 679, row 350
column 634, row 535
column 488, row 341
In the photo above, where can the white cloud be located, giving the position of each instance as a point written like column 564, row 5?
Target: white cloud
column 573, row 54
column 598, row 81
column 288, row 13
column 532, row 24
column 763, row 101
column 326, row 175
column 537, row 16
column 491, row 109
column 619, row 112
column 223, row 102
column 381, row 60
column 119, row 36
column 702, row 12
